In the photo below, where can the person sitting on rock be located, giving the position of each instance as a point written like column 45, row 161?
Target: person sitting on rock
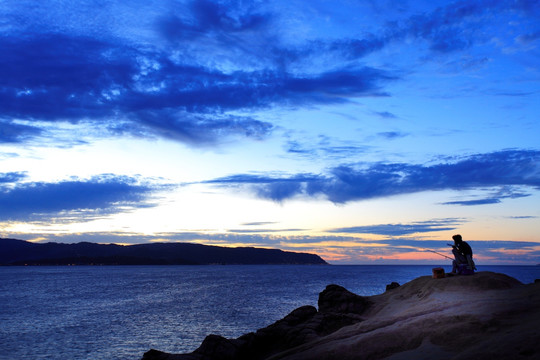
column 462, row 251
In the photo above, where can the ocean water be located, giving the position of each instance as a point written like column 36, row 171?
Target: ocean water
column 120, row 312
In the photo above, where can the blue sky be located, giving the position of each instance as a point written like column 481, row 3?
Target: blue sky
column 365, row 132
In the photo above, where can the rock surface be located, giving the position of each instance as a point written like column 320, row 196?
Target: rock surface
column 392, row 285
column 484, row 316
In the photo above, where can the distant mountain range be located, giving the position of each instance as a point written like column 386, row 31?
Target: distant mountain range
column 20, row 252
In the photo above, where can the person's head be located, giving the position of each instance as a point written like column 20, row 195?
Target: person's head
column 457, row 238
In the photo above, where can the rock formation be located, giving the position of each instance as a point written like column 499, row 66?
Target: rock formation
column 392, row 285
column 484, row 316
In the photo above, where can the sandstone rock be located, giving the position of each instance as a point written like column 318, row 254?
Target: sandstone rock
column 337, row 299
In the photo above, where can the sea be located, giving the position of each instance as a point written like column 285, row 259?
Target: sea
column 120, row 312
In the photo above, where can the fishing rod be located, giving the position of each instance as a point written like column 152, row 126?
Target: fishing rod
column 433, row 251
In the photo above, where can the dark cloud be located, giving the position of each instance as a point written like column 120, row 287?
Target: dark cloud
column 402, row 229
column 390, row 135
column 474, row 202
column 259, row 223
column 385, row 114
column 297, row 148
column 207, row 17
column 336, row 86
column 261, row 179
column 528, row 38
column 11, row 132
column 277, row 189
column 104, row 194
column 324, row 147
column 346, row 183
column 51, row 76
column 505, row 192
column 196, row 129
column 56, row 77
column 446, row 29
column 449, row 28
column 12, row 177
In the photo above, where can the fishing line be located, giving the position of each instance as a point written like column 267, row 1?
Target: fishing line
column 433, row 251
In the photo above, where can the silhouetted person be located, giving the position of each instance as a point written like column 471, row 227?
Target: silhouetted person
column 463, row 256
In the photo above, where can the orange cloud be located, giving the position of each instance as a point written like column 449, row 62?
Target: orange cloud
column 511, row 252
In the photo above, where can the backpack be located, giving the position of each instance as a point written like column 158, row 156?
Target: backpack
column 463, row 269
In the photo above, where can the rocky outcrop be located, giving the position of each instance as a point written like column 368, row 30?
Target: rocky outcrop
column 483, row 316
column 338, row 300
column 392, row 285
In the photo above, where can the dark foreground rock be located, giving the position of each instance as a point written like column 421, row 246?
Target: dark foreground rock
column 338, row 307
column 484, row 316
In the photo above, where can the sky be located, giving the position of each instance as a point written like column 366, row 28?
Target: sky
column 367, row 132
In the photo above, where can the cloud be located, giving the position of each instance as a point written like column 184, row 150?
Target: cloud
column 58, row 77
column 12, row 177
column 452, row 27
column 259, row 223
column 346, row 183
column 324, row 147
column 391, row 135
column 11, row 132
column 385, row 114
column 274, row 188
column 206, row 17
column 505, row 192
column 526, row 39
column 197, row 63
column 137, row 238
column 402, row 229
column 50, row 76
column 253, row 231
column 194, row 129
column 446, row 29
column 514, row 93
column 488, row 201
column 104, row 194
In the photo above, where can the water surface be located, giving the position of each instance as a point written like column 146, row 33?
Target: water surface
column 119, row 312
